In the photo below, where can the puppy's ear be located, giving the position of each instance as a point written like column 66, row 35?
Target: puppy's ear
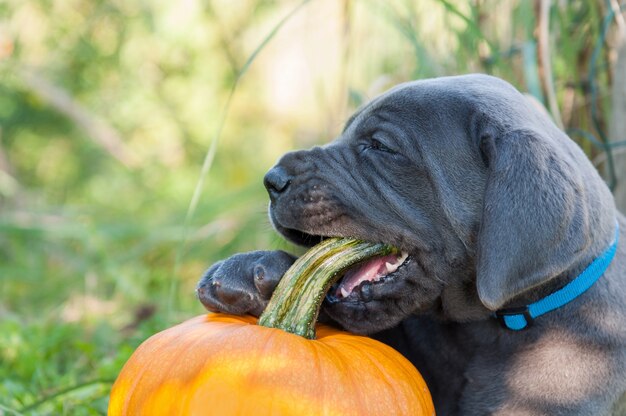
column 534, row 221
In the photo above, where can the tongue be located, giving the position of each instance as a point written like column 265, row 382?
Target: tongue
column 370, row 270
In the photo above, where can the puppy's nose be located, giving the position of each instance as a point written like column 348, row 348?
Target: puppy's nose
column 276, row 181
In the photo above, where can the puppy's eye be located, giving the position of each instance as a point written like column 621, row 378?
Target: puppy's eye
column 377, row 145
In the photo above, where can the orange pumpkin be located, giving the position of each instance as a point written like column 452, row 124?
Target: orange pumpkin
column 225, row 365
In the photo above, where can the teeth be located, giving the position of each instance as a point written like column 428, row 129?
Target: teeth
column 390, row 267
column 403, row 257
column 344, row 292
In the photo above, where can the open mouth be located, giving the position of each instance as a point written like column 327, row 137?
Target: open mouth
column 357, row 282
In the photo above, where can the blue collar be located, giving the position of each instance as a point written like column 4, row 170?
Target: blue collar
column 522, row 317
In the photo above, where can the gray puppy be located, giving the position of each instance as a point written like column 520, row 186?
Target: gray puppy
column 497, row 209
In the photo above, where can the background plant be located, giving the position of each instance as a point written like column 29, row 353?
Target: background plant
column 134, row 136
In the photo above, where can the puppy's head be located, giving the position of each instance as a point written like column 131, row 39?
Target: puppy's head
column 484, row 195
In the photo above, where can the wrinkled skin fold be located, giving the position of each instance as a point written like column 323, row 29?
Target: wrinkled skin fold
column 495, row 207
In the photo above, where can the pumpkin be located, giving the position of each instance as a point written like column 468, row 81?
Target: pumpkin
column 219, row 364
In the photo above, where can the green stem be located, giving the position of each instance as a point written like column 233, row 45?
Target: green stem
column 296, row 302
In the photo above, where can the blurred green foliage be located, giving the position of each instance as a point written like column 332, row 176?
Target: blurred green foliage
column 108, row 110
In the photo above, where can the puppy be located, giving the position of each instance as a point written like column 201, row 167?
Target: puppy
column 511, row 299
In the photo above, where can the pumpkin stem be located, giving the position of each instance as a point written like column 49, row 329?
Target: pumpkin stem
column 295, row 304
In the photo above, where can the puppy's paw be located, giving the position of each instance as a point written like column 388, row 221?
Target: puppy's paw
column 244, row 283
